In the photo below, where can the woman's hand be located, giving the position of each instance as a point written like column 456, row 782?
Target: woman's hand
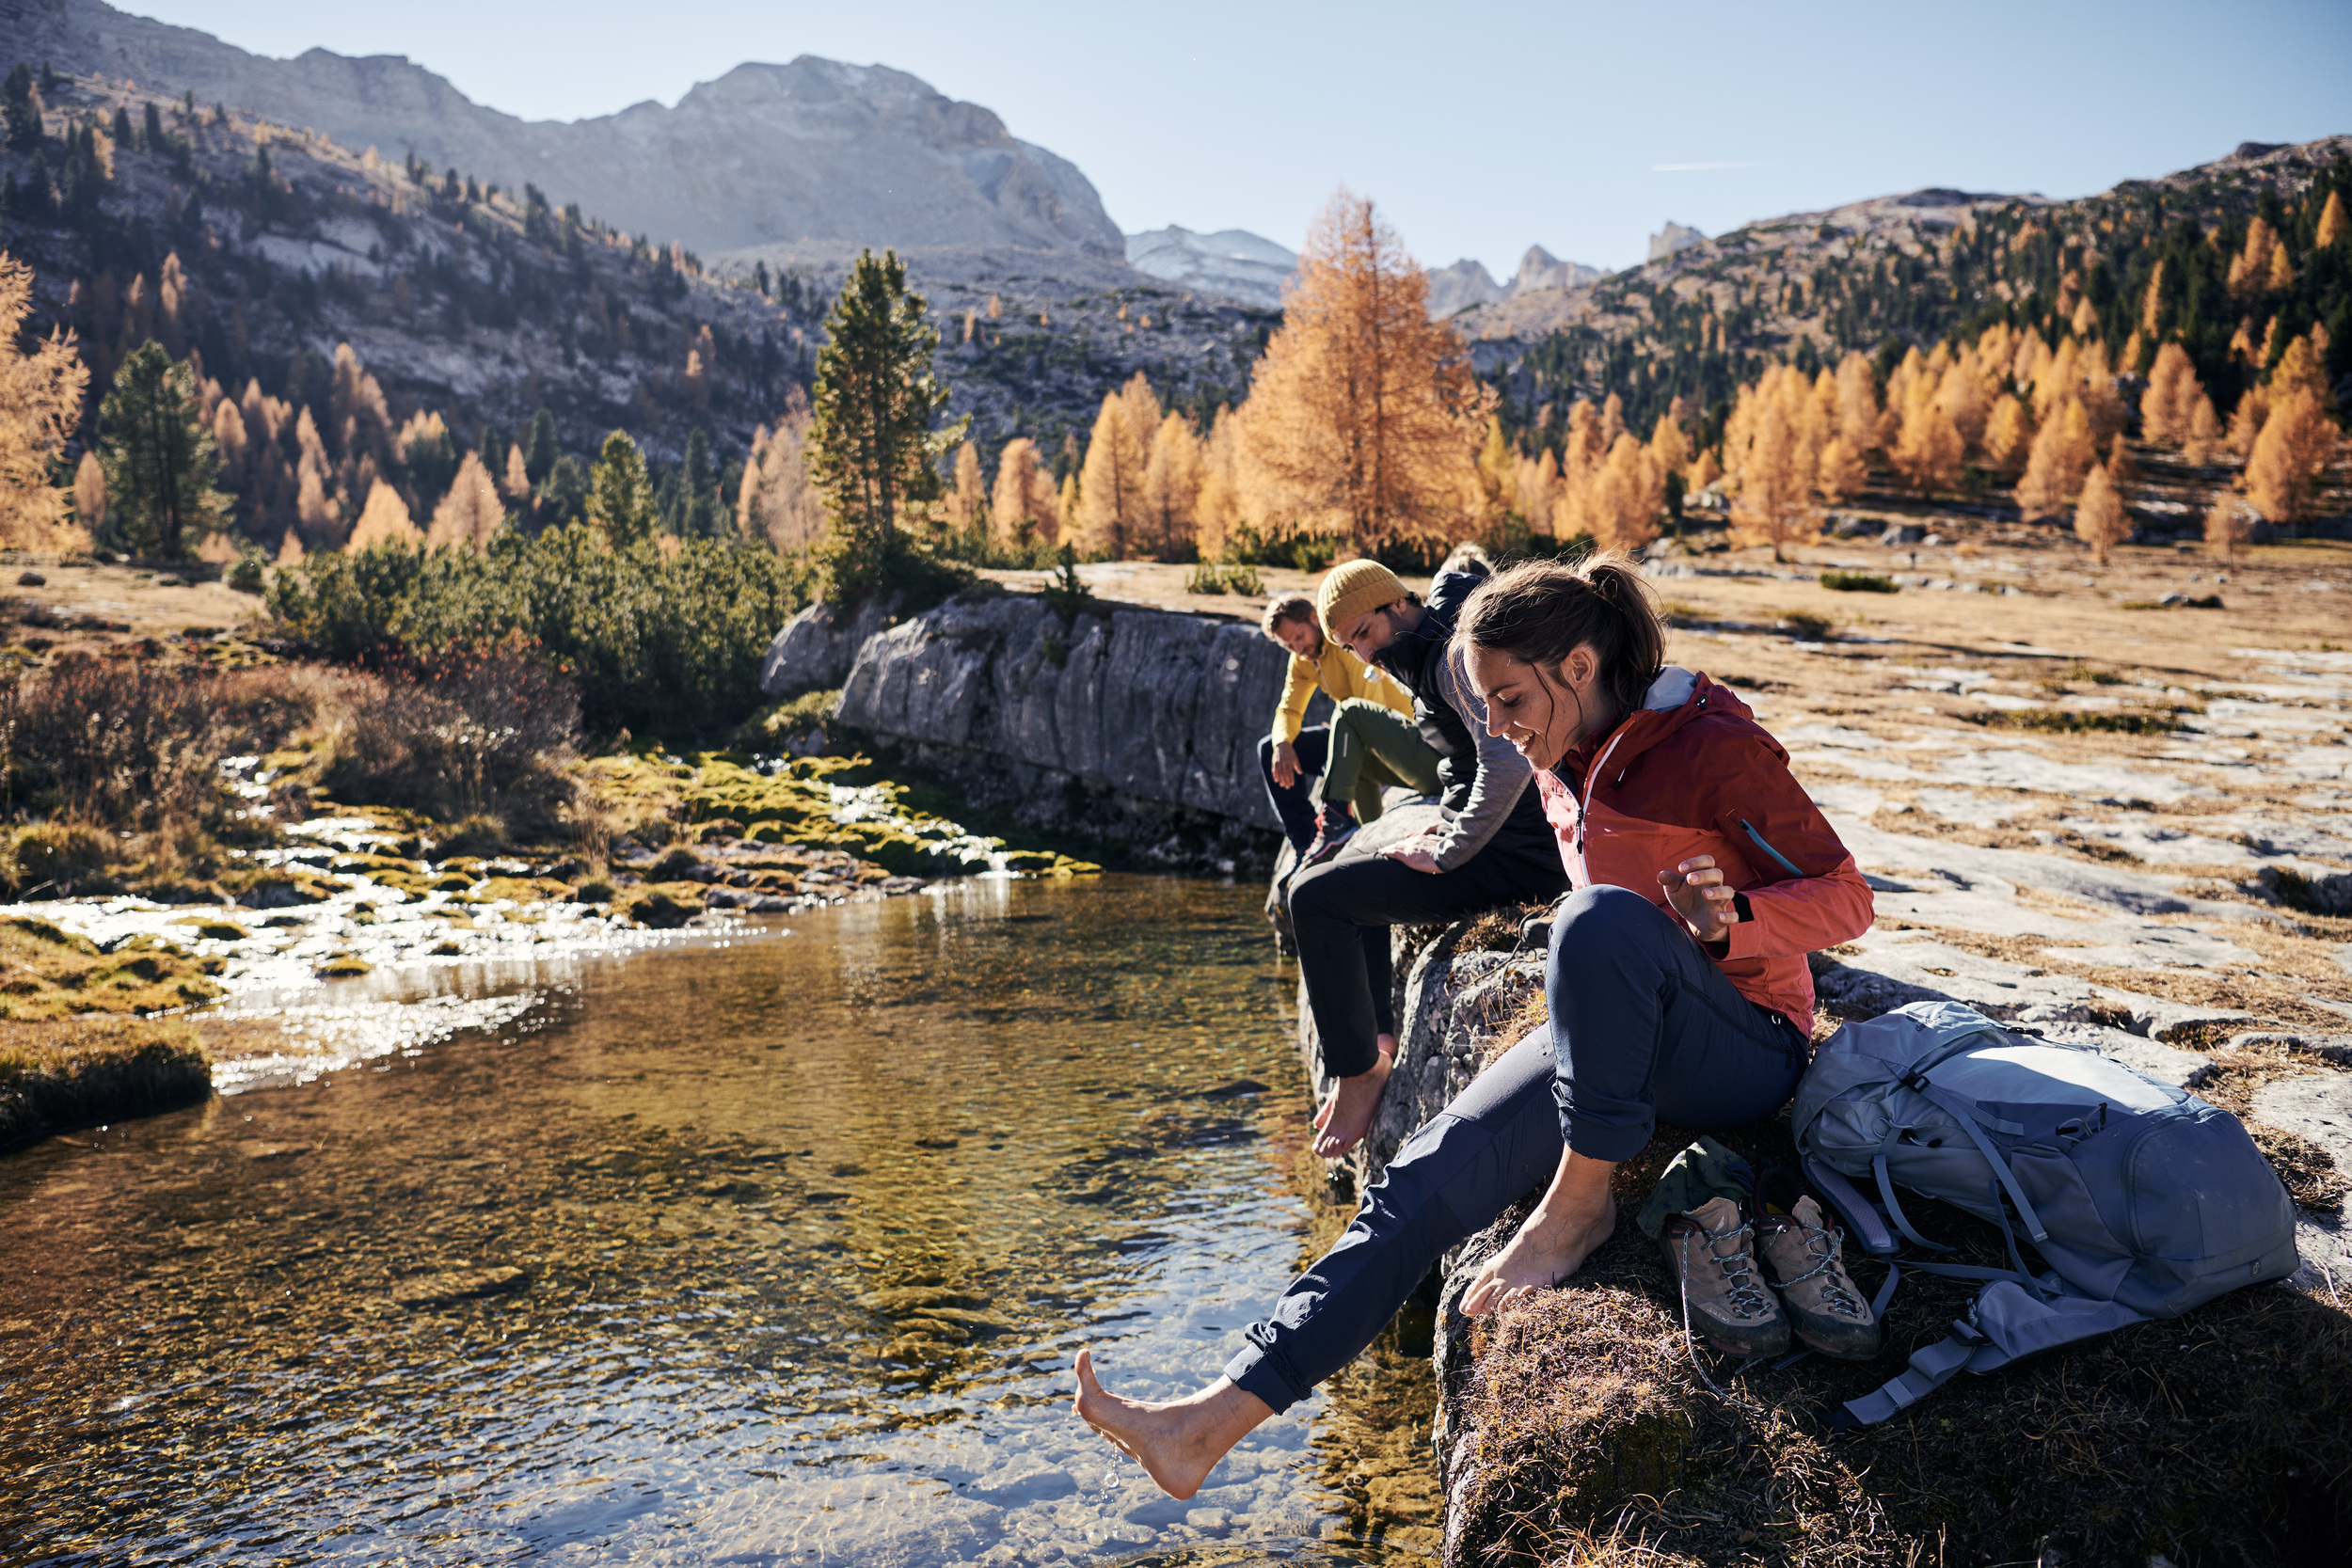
column 1696, row 890
column 1285, row 764
column 1419, row 851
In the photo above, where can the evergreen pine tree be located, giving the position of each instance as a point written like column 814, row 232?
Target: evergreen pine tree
column 20, row 102
column 158, row 457
column 620, row 493
column 541, row 449
column 702, row 516
column 872, row 451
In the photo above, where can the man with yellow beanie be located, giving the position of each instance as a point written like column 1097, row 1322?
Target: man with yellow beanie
column 1373, row 741
column 1486, row 843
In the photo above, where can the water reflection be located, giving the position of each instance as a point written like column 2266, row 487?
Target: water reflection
column 776, row 1252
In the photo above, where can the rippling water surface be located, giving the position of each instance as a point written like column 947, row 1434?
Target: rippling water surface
column 770, row 1252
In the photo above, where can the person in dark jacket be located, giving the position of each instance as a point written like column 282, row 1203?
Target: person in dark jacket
column 1488, row 847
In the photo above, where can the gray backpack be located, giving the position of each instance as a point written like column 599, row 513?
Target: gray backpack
column 2143, row 1200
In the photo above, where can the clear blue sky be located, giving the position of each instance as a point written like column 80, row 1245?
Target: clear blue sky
column 1478, row 128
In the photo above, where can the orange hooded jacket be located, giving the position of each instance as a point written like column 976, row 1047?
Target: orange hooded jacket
column 1693, row 773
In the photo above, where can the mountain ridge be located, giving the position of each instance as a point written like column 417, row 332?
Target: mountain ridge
column 864, row 153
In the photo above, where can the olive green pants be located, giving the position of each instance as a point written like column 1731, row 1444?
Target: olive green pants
column 1373, row 744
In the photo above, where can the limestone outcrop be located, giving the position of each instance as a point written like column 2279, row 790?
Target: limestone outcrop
column 1123, row 722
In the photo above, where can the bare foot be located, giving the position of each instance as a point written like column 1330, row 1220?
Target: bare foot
column 1545, row 1252
column 1346, row 1116
column 1178, row 1443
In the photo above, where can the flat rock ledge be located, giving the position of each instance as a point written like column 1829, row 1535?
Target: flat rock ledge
column 1459, row 1007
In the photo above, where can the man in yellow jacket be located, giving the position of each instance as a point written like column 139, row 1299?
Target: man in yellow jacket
column 1372, row 720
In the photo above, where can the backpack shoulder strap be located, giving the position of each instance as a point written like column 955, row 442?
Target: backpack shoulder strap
column 1973, row 1121
column 1930, row 1368
column 2007, row 1324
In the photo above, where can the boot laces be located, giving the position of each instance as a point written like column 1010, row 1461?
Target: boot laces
column 1744, row 1296
column 1821, row 1246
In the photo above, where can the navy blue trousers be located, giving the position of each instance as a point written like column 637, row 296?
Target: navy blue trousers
column 1651, row 1030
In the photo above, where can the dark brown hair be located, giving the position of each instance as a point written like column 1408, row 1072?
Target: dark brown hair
column 1297, row 607
column 1540, row 611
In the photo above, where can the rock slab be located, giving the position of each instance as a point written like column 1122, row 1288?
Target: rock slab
column 1157, row 710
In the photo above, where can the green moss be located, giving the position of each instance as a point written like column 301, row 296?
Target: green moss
column 46, row 973
column 662, row 906
column 260, row 887
column 344, row 966
column 1858, row 583
column 2158, row 722
column 86, row 1071
column 214, row 929
column 523, row 890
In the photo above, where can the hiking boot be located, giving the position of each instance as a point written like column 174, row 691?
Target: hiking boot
column 1725, row 1301
column 1830, row 1313
column 1334, row 826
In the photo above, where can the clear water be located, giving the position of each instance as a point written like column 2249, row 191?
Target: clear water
column 776, row 1252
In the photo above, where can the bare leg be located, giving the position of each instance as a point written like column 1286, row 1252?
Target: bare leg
column 1346, row 1116
column 1386, row 1045
column 1178, row 1443
column 1575, row 1217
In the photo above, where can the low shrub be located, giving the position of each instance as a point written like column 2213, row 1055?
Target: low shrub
column 479, row 733
column 1859, row 582
column 1210, row 579
column 118, row 742
column 659, row 643
column 1807, row 626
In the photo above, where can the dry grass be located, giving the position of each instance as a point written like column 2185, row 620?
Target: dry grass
column 82, row 1072
column 111, row 768
column 2224, row 1436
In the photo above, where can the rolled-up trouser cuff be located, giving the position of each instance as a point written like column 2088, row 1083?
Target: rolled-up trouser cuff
column 1601, row 1140
column 1254, row 1369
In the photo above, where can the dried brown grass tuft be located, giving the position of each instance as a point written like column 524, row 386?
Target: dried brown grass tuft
column 2222, row 1437
column 81, row 1072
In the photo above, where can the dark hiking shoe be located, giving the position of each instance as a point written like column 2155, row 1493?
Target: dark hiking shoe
column 1725, row 1301
column 1801, row 1255
column 1334, row 826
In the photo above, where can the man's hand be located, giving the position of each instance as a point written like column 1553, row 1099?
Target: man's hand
column 1285, row 764
column 1419, row 851
column 1696, row 890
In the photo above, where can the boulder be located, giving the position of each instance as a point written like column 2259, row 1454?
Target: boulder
column 1123, row 722
column 817, row 647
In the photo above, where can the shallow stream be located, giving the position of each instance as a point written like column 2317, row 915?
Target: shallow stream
column 773, row 1249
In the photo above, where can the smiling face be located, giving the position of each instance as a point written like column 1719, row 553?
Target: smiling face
column 1542, row 712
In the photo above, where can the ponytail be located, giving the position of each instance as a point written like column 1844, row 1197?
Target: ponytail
column 1540, row 611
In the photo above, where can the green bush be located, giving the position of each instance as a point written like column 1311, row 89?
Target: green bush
column 1859, row 582
column 660, row 644
column 1210, row 578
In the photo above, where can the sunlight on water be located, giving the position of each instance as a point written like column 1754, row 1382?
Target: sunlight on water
column 775, row 1251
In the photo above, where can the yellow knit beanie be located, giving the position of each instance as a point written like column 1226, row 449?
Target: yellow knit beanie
column 1349, row 589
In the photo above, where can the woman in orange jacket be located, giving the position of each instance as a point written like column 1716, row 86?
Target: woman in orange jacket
column 1677, row 981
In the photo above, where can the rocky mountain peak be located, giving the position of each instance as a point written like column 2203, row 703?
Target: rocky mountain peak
column 864, row 155
column 1233, row 263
